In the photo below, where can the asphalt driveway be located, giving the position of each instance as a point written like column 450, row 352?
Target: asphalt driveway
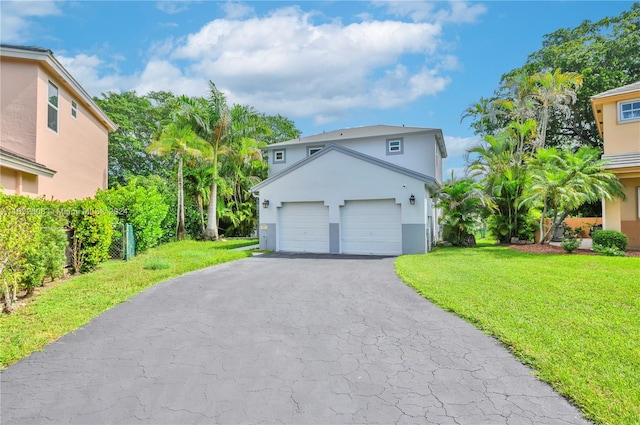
column 277, row 339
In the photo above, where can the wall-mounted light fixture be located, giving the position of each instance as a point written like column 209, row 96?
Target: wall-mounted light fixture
column 265, row 203
column 412, row 199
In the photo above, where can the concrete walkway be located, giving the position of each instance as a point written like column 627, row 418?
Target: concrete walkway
column 279, row 339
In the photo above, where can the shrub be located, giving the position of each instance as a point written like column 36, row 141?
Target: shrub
column 570, row 244
column 609, row 251
column 143, row 206
column 92, row 225
column 29, row 249
column 610, row 238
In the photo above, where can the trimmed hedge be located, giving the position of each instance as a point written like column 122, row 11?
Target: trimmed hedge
column 610, row 239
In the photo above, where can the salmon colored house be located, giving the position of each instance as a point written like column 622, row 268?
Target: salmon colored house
column 53, row 136
column 617, row 114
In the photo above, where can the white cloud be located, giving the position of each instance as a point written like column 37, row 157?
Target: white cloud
column 16, row 18
column 87, row 71
column 286, row 63
column 419, row 11
column 173, row 7
column 458, row 146
column 235, row 10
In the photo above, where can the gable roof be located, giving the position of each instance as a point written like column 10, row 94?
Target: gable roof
column 46, row 58
column 619, row 90
column 363, row 132
column 349, row 152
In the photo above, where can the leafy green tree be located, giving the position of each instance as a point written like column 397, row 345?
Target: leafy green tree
column 141, row 204
column 605, row 53
column 179, row 141
column 499, row 163
column 138, row 119
column 463, row 204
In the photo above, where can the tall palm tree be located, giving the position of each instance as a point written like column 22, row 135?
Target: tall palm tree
column 211, row 119
column 553, row 90
column 179, row 141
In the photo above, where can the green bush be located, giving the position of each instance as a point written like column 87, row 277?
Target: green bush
column 570, row 244
column 609, row 251
column 141, row 204
column 92, row 225
column 610, row 239
column 29, row 248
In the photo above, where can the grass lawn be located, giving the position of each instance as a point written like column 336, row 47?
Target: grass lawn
column 575, row 319
column 66, row 307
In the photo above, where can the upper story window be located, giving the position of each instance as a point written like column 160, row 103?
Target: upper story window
column 313, row 149
column 279, row 156
column 52, row 107
column 74, row 109
column 629, row 110
column 395, row 146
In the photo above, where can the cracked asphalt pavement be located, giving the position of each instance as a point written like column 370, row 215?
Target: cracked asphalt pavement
column 279, row 339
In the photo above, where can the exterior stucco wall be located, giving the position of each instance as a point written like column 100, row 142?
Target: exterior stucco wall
column 418, row 152
column 18, row 86
column 335, row 178
column 78, row 151
column 619, row 137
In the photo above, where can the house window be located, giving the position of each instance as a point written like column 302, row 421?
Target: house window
column 638, row 199
column 279, row 156
column 313, row 149
column 394, row 146
column 629, row 111
column 74, row 109
column 52, row 107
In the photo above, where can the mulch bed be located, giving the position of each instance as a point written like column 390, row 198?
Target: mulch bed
column 551, row 249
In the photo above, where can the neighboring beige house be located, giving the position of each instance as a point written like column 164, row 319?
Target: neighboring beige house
column 617, row 114
column 53, row 136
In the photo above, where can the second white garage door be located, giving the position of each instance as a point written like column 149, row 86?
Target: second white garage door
column 371, row 227
column 304, row 227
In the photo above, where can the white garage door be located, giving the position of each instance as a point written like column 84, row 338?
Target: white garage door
column 304, row 227
column 371, row 227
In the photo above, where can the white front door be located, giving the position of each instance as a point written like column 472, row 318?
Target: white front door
column 371, row 227
column 304, row 227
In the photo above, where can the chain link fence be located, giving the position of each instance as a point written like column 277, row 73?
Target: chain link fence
column 123, row 243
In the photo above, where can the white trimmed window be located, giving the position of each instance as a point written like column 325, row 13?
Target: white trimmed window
column 52, row 107
column 629, row 110
column 313, row 149
column 74, row 109
column 394, row 146
column 279, row 156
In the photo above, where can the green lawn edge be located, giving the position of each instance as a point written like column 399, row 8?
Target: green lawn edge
column 574, row 319
column 63, row 308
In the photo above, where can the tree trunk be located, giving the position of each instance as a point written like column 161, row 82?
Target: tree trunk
column 180, row 231
column 201, row 212
column 211, row 232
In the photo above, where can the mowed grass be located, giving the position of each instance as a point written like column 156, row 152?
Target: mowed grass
column 574, row 318
column 71, row 304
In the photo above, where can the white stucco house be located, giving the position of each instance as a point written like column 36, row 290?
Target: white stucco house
column 364, row 190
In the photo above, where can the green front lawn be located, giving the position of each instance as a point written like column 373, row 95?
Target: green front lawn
column 66, row 307
column 575, row 319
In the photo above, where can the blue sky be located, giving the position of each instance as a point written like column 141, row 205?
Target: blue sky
column 325, row 65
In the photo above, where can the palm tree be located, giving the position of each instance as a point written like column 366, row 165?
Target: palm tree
column 462, row 203
column 501, row 167
column 210, row 118
column 561, row 181
column 179, row 141
column 553, row 90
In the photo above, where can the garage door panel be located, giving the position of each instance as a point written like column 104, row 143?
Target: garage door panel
column 304, row 227
column 371, row 227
